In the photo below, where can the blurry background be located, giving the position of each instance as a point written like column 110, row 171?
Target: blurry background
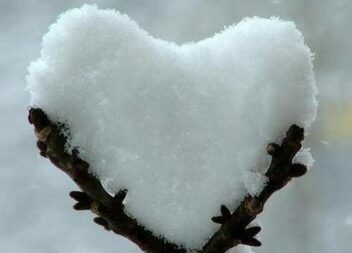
column 313, row 214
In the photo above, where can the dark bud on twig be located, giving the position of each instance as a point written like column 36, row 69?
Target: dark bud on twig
column 84, row 202
column 102, row 222
column 297, row 170
column 273, row 149
column 43, row 154
column 38, row 118
column 120, row 196
column 225, row 215
column 225, row 212
column 218, row 219
column 79, row 196
column 82, row 206
column 251, row 242
column 253, row 231
column 295, row 133
column 246, row 236
column 41, row 145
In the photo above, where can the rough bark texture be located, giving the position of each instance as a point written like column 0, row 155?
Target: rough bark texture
column 110, row 209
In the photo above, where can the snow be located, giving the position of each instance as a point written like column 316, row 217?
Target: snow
column 240, row 249
column 304, row 157
column 182, row 127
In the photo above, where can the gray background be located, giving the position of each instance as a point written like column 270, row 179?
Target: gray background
column 313, row 214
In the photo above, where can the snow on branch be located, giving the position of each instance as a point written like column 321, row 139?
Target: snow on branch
column 166, row 121
column 110, row 209
column 234, row 229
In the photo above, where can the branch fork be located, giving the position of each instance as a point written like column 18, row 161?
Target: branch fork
column 110, row 210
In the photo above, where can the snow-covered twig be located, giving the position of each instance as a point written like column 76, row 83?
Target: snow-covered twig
column 110, row 209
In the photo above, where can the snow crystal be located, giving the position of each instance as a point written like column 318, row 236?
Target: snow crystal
column 182, row 127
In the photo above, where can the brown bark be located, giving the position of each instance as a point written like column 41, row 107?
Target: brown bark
column 110, row 209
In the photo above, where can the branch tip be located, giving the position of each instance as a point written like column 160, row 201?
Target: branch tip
column 38, row 118
column 120, row 196
column 295, row 133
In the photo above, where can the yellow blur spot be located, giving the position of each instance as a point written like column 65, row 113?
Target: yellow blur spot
column 338, row 122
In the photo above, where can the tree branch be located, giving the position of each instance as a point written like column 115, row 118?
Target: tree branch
column 110, row 209
column 233, row 230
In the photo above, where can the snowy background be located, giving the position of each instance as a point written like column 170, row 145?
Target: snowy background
column 313, row 214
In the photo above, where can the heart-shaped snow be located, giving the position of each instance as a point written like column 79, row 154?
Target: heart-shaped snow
column 182, row 127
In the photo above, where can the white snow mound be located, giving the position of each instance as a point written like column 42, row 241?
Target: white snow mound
column 182, row 127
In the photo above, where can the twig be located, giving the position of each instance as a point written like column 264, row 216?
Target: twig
column 234, row 228
column 110, row 210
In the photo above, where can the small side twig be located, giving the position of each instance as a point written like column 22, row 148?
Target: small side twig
column 233, row 230
column 109, row 209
